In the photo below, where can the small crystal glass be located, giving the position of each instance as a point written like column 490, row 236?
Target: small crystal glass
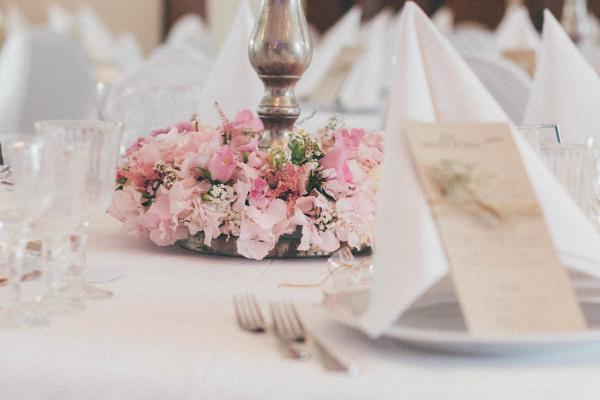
column 62, row 218
column 26, row 192
column 576, row 167
column 539, row 135
column 103, row 140
column 143, row 108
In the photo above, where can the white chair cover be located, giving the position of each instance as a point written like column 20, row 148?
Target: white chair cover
column 43, row 75
column 506, row 82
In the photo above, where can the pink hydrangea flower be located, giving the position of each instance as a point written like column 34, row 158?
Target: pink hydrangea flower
column 222, row 165
column 246, row 119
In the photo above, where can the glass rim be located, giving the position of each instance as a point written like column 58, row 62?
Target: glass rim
column 62, row 123
column 547, row 125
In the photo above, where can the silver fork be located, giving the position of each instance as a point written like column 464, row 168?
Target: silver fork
column 250, row 318
column 248, row 314
column 330, row 361
column 287, row 333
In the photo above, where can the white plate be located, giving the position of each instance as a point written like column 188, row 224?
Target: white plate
column 440, row 327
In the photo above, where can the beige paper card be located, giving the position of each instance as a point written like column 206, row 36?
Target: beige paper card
column 506, row 272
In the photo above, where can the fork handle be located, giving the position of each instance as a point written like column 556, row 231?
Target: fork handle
column 294, row 350
column 331, row 361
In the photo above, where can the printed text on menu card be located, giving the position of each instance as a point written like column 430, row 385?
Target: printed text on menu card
column 506, row 272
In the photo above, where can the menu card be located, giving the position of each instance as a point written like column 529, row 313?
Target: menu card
column 506, row 272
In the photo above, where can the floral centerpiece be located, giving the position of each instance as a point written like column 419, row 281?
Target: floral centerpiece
column 215, row 185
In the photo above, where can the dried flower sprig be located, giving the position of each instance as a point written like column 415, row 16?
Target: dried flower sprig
column 456, row 181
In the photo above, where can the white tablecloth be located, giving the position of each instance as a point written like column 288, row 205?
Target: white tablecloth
column 169, row 333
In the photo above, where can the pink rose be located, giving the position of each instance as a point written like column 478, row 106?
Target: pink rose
column 222, row 165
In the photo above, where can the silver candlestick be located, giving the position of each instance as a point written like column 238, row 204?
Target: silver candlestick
column 280, row 51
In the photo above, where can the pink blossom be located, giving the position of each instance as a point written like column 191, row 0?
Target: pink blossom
column 242, row 189
column 244, row 144
column 181, row 127
column 269, row 217
column 163, row 227
column 135, row 146
column 245, row 119
column 259, row 190
column 346, row 143
column 126, row 207
column 222, row 165
column 255, row 242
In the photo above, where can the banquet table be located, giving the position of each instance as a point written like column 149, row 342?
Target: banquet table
column 169, row 332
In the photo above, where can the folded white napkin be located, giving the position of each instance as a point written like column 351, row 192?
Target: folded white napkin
column 60, row 20
column 233, row 83
column 409, row 257
column 342, row 35
column 363, row 88
column 190, row 31
column 443, row 19
column 516, row 31
column 94, row 34
column 565, row 90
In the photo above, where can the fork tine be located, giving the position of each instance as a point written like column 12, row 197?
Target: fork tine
column 297, row 318
column 297, row 328
column 252, row 318
column 238, row 313
column 276, row 321
column 259, row 314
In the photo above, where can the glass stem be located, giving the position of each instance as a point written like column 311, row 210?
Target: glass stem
column 16, row 256
column 79, row 264
column 51, row 270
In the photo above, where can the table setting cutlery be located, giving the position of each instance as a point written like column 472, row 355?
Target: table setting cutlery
column 289, row 330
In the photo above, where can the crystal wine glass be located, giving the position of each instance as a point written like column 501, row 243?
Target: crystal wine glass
column 104, row 140
column 62, row 217
column 26, row 191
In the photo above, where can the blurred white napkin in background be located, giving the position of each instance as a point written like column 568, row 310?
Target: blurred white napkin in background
column 516, row 31
column 233, row 83
column 60, row 20
column 127, row 51
column 15, row 20
column 363, row 88
column 443, row 19
column 190, row 31
column 344, row 34
column 409, row 257
column 94, row 35
column 566, row 89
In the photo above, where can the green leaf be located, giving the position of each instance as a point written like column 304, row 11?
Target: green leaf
column 245, row 156
column 119, row 188
column 147, row 196
column 122, row 180
column 147, row 203
column 205, row 174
